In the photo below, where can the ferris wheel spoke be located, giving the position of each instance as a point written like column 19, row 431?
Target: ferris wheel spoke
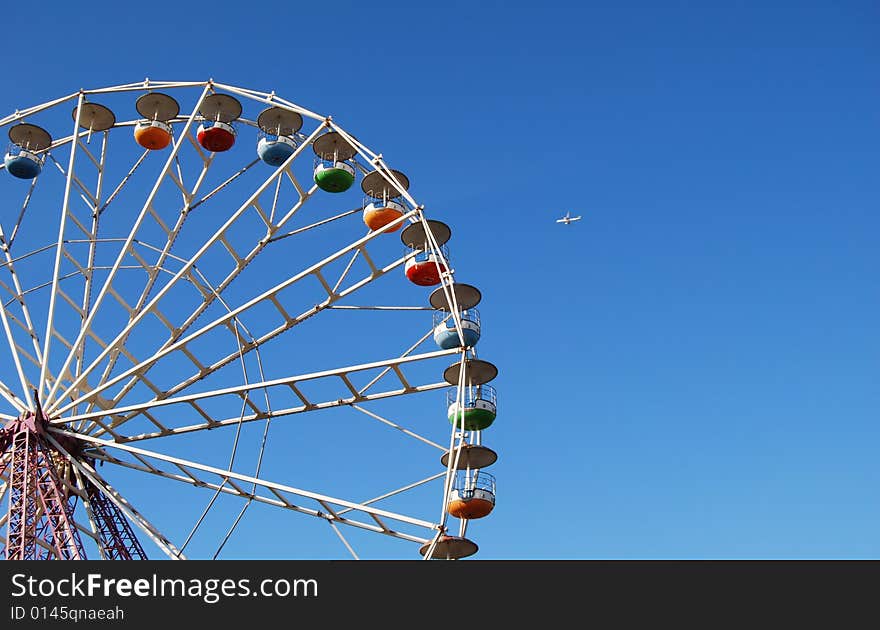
column 85, row 232
column 306, row 228
column 209, row 293
column 150, row 268
column 270, row 297
column 205, row 289
column 121, row 185
column 307, row 405
column 344, row 541
column 220, row 236
column 113, row 429
column 195, row 204
column 392, row 493
column 189, row 264
column 347, row 394
column 268, row 492
column 62, row 224
column 394, row 425
column 93, row 200
column 14, row 352
column 87, row 425
column 126, row 246
column 85, row 194
column 18, row 295
column 21, row 213
column 387, row 369
column 141, row 379
column 11, row 398
column 106, row 405
column 88, row 278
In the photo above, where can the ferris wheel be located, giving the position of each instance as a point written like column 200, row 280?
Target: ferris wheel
column 198, row 300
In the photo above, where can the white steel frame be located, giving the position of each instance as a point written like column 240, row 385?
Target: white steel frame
column 86, row 394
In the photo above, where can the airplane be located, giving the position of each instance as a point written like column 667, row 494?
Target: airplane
column 568, row 218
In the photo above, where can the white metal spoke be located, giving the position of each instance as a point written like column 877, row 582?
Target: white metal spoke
column 271, row 297
column 11, row 398
column 125, row 248
column 113, row 429
column 287, row 382
column 277, row 494
column 47, row 337
column 13, row 349
column 123, row 182
column 286, row 324
column 405, row 488
column 24, row 207
column 312, row 226
column 152, row 270
column 406, row 353
column 394, row 425
column 252, row 202
column 344, row 541
column 92, row 201
column 18, row 294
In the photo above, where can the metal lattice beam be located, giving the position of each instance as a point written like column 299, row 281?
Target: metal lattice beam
column 117, row 537
column 39, row 507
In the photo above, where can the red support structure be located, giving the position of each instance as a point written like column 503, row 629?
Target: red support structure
column 117, row 538
column 21, row 541
column 42, row 500
column 39, row 521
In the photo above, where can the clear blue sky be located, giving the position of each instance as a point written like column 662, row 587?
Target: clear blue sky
column 691, row 371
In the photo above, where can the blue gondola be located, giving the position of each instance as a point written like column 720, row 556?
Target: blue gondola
column 22, row 163
column 278, row 127
column 23, row 158
column 445, row 334
column 274, row 150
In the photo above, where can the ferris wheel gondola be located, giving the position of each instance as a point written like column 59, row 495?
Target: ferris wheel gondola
column 383, row 206
column 24, row 158
column 216, row 133
column 154, row 132
column 277, row 142
column 333, row 169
